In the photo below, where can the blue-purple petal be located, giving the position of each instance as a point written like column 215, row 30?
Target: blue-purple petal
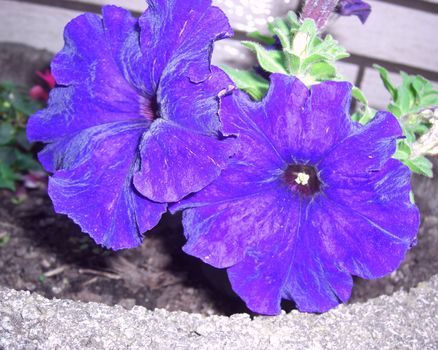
column 358, row 8
column 93, row 89
column 357, row 243
column 383, row 197
column 190, row 27
column 98, row 193
column 366, row 150
column 300, row 124
column 193, row 105
column 176, row 161
column 214, row 230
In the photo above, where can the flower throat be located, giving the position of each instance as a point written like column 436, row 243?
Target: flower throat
column 302, row 178
column 149, row 108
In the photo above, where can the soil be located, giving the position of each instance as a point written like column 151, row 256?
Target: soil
column 46, row 253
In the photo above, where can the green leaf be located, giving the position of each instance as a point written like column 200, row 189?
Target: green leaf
column 405, row 95
column 359, row 95
column 419, row 85
column 367, row 115
column 304, row 53
column 420, row 165
column 7, row 132
column 7, row 177
column 284, row 38
column 21, row 139
column 250, row 82
column 384, row 75
column 268, row 40
column 410, row 136
column 395, row 110
column 312, row 59
column 403, row 151
column 4, row 239
column 309, row 26
column 25, row 161
column 412, row 197
column 429, row 101
column 280, row 25
column 7, row 155
column 323, row 71
column 271, row 61
column 293, row 19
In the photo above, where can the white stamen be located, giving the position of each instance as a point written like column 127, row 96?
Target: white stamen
column 302, row 179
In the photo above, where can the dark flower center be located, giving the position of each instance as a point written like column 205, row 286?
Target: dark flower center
column 302, row 178
column 149, row 108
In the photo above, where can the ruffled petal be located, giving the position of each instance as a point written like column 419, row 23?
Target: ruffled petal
column 363, row 152
column 259, row 277
column 193, row 105
column 97, row 193
column 360, row 175
column 214, row 230
column 382, row 196
column 176, row 161
column 95, row 80
column 315, row 283
column 327, row 119
column 72, row 109
column 257, row 155
column 269, row 121
column 235, row 182
column 103, row 49
column 301, row 124
column 276, row 255
column 177, row 37
column 357, row 243
column 293, row 265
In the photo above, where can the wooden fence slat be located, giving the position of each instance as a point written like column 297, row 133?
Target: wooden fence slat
column 349, row 71
column 134, row 5
column 245, row 15
column 392, row 33
column 34, row 25
column 232, row 53
column 251, row 15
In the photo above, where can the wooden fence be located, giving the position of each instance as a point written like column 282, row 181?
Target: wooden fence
column 400, row 34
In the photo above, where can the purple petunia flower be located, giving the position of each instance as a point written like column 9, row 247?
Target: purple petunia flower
column 133, row 123
column 310, row 199
column 358, row 8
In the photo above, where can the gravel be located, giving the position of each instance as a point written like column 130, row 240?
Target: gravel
column 402, row 321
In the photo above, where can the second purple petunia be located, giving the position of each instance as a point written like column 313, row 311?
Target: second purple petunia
column 310, row 199
column 358, row 8
column 133, row 122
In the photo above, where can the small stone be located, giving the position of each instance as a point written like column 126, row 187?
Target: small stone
column 56, row 289
column 6, row 324
column 128, row 303
column 30, row 312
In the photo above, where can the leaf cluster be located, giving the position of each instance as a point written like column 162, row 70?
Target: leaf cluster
column 16, row 157
column 415, row 95
column 293, row 48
